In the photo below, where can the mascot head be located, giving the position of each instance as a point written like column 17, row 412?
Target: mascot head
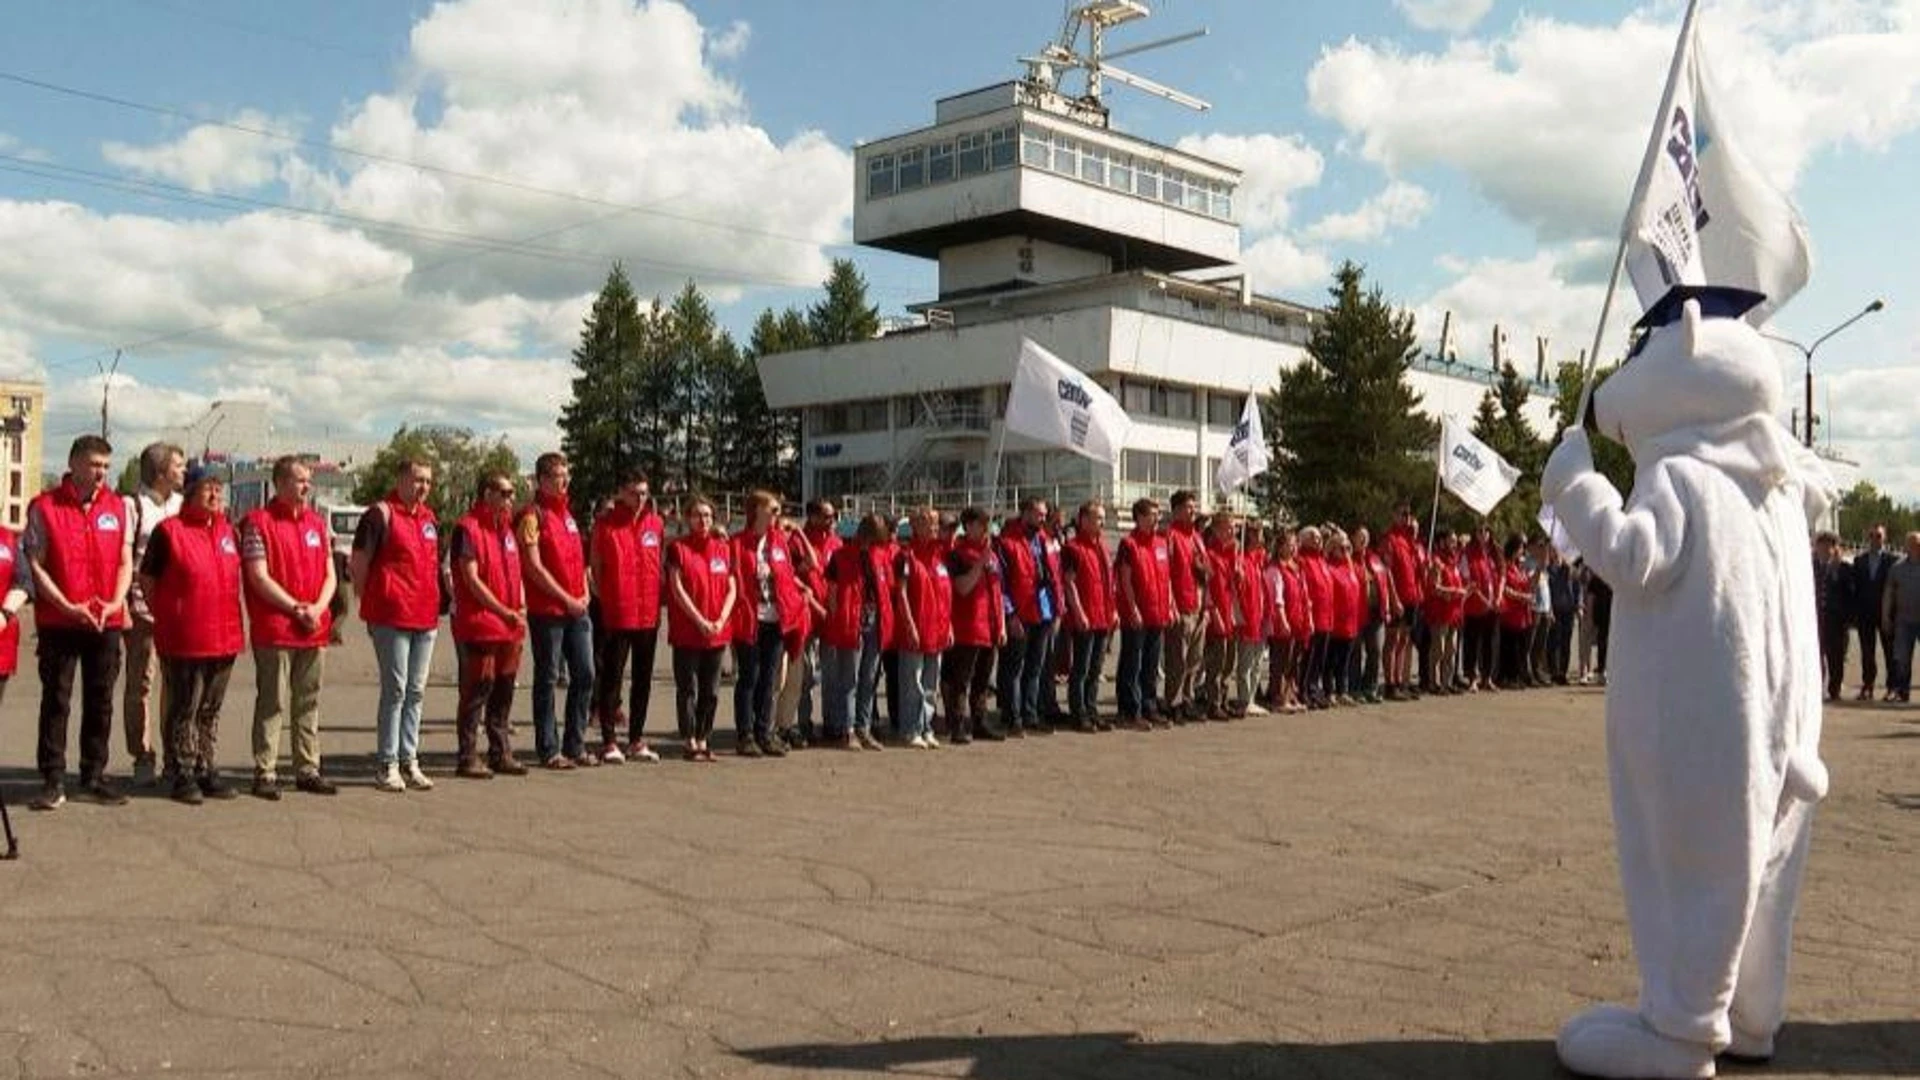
column 1699, row 367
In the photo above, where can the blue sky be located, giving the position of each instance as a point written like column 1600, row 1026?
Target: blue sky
column 1474, row 154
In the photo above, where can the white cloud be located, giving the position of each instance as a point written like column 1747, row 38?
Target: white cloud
column 213, row 158
column 730, row 43
column 17, row 360
column 1454, row 16
column 1872, row 421
column 1527, row 299
column 1399, row 205
column 1275, row 167
column 1277, row 264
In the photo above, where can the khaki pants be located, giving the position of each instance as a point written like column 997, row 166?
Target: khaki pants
column 298, row 671
column 139, row 713
column 1183, row 649
column 1217, row 675
column 1246, row 672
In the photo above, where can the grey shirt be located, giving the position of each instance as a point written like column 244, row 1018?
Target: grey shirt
column 1902, row 603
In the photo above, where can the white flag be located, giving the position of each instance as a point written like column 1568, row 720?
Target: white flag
column 1470, row 468
column 1060, row 405
column 1247, row 455
column 1557, row 533
column 1705, row 215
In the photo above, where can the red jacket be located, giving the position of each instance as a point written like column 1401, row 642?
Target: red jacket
column 977, row 616
column 196, row 600
column 297, row 560
column 561, row 552
column 705, row 566
column 10, row 637
column 496, row 554
column 1349, row 602
column 1146, row 560
column 1376, row 582
column 403, row 577
column 1315, row 573
column 1516, row 613
column 84, row 546
column 1405, row 561
column 1223, row 560
column 628, row 545
column 1481, row 578
column 920, row 568
column 856, row 577
column 1022, row 572
column 1185, row 550
column 1250, row 594
column 788, row 601
column 1293, row 595
column 825, row 542
column 1085, row 561
column 1445, row 610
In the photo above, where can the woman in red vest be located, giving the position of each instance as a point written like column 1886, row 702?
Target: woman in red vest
column 1480, row 626
column 923, row 621
column 1087, row 578
column 396, row 573
column 979, row 629
column 1250, row 617
column 1142, row 574
column 859, row 625
column 627, row 545
column 769, row 607
column 1288, row 629
column 190, row 576
column 1348, row 613
column 701, row 592
column 1318, row 587
column 1445, row 608
column 1223, row 572
column 489, row 622
column 1516, row 614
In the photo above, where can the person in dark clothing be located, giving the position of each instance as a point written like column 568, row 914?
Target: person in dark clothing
column 1602, row 605
column 1833, row 600
column 1563, row 594
column 1870, row 569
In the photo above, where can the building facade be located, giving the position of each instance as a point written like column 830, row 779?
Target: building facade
column 22, row 422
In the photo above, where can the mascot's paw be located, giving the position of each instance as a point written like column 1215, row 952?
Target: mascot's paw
column 1749, row 1049
column 1611, row 1041
column 1570, row 460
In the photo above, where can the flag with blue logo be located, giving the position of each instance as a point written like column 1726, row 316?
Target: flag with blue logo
column 1472, row 470
column 1246, row 455
column 1055, row 403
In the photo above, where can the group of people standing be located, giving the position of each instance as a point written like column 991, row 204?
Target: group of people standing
column 1875, row 595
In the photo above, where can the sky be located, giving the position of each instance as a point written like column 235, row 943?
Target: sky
column 369, row 212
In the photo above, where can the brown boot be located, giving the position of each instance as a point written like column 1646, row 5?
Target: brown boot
column 472, row 768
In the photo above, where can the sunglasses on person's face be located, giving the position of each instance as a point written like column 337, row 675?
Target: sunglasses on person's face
column 503, row 492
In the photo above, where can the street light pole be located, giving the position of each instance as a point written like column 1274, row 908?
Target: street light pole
column 1807, row 351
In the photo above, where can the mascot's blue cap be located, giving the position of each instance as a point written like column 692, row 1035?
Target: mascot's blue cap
column 1716, row 302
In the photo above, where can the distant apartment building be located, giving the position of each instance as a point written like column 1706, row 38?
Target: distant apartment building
column 22, row 412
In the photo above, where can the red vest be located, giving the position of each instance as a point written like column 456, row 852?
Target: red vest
column 1516, row 599
column 196, row 601
column 1445, row 610
column 921, row 569
column 1222, row 560
column 1404, row 561
column 1022, row 573
column 403, row 579
column 84, row 546
column 854, row 575
column 1092, row 581
column 788, row 602
column 825, row 542
column 629, row 545
column 1184, row 548
column 976, row 615
column 10, row 637
column 1293, row 600
column 561, row 552
column 1376, row 580
column 297, row 560
column 1483, row 585
column 1251, row 591
column 1349, row 602
column 705, row 566
column 496, row 554
column 1319, row 590
column 1148, row 565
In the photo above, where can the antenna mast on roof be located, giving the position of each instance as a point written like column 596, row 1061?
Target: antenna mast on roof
column 1045, row 71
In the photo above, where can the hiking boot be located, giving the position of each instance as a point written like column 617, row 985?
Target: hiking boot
column 144, row 773
column 315, row 784
column 102, row 791
column 266, row 787
column 187, row 790
column 748, row 748
column 215, row 788
column 473, row 769
column 53, row 796
column 770, row 747
column 507, row 765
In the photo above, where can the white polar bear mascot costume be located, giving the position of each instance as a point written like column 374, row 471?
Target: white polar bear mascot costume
column 1713, row 692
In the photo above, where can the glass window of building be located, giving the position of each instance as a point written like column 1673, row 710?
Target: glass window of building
column 1180, row 403
column 940, row 163
column 1223, row 410
column 1093, row 165
column 973, row 153
column 913, row 169
column 1146, row 179
column 1035, row 146
column 1066, row 156
column 1136, row 397
column 1120, row 172
column 879, row 176
column 1000, row 146
column 1136, row 466
column 1173, row 188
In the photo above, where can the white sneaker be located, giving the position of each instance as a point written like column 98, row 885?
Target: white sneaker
column 610, row 754
column 416, row 779
column 389, row 779
column 932, row 743
column 919, row 742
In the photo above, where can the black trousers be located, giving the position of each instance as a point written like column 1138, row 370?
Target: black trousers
column 1833, row 652
column 616, row 647
column 1478, row 637
column 1874, row 645
column 196, row 689
column 696, row 678
column 97, row 654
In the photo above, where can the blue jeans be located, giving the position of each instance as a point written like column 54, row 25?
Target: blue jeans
column 756, row 670
column 1900, row 667
column 553, row 635
column 1023, row 667
column 1136, row 683
column 919, row 689
column 403, row 657
column 847, row 683
column 1083, row 680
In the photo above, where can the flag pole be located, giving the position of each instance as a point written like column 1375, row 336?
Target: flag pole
column 1439, row 466
column 1634, row 205
column 999, row 454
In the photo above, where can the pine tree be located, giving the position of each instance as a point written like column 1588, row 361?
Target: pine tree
column 600, row 435
column 696, row 356
column 1501, row 423
column 843, row 315
column 766, row 444
column 1349, row 440
column 1611, row 458
column 459, row 459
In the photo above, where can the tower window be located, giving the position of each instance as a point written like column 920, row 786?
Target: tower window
column 879, row 176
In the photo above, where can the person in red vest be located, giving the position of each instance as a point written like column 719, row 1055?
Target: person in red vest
column 1446, row 607
column 17, row 580
column 769, row 607
column 190, row 576
column 1516, row 614
column 1347, row 615
column 1318, row 589
column 554, row 562
column 1380, row 609
column 79, row 553
column 1092, row 613
column 1144, row 590
column 1184, row 644
column 923, row 621
column 701, row 592
column 1223, row 566
column 286, row 556
column 1250, row 617
column 1291, row 625
column 811, row 547
column 163, row 471
column 1480, row 625
column 979, row 629
column 859, row 626
column 395, row 569
column 628, row 544
column 489, row 620
column 1030, row 577
column 1405, row 566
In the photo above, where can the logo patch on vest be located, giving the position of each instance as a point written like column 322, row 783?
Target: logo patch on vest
column 573, row 526
column 776, row 555
column 6, row 554
column 941, row 569
column 507, row 545
column 226, row 546
column 717, row 566
column 108, row 521
column 429, row 531
column 1160, row 553
column 649, row 540
column 313, row 538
